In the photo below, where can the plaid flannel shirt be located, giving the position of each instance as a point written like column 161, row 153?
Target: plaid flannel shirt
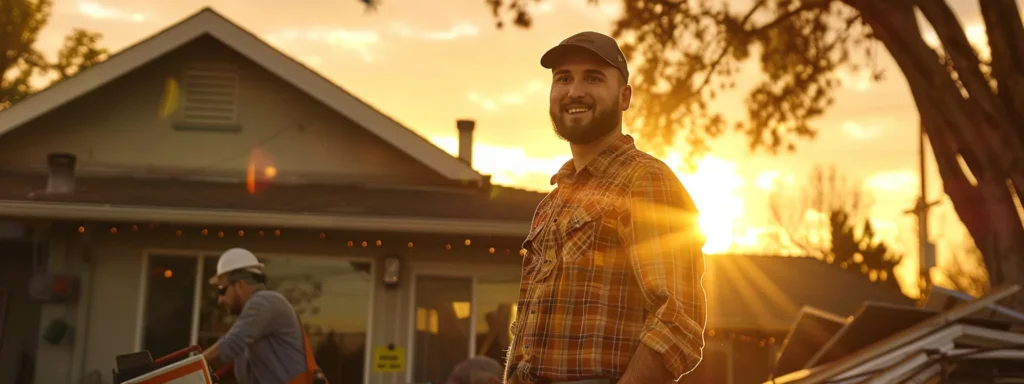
column 613, row 259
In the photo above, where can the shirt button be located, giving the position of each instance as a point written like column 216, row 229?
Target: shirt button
column 533, row 311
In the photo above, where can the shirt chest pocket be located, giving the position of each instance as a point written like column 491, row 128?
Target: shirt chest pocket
column 589, row 233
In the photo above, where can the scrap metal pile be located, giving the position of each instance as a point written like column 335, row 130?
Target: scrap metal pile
column 954, row 338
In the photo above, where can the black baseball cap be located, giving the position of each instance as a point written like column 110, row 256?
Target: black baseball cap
column 602, row 45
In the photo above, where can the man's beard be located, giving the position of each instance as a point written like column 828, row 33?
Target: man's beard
column 604, row 121
column 234, row 309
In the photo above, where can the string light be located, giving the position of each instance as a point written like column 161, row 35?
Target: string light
column 222, row 233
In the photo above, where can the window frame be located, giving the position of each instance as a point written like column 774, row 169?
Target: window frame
column 200, row 256
column 474, row 272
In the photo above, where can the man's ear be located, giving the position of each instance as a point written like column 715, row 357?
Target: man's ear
column 625, row 97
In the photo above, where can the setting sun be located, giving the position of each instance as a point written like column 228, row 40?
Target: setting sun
column 714, row 188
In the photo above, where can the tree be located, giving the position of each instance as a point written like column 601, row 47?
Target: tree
column 966, row 271
column 971, row 105
column 804, row 216
column 823, row 224
column 21, row 64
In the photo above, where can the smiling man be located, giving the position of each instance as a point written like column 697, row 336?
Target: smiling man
column 611, row 286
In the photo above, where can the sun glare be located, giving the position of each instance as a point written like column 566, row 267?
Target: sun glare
column 714, row 187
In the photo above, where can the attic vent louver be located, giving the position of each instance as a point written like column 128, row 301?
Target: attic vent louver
column 210, row 95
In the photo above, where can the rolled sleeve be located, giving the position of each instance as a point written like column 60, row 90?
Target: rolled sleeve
column 668, row 261
column 252, row 324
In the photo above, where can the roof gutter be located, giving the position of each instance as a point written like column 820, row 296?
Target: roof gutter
column 193, row 216
column 907, row 335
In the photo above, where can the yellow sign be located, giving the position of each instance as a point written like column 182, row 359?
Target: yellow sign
column 388, row 359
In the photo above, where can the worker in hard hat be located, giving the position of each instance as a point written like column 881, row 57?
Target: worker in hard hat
column 266, row 343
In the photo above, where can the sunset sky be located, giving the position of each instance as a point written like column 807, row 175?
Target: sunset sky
column 427, row 63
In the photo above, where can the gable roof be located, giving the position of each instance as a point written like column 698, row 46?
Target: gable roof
column 209, row 22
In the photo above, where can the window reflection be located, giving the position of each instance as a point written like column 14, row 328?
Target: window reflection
column 332, row 298
column 496, row 297
column 442, row 326
column 170, row 295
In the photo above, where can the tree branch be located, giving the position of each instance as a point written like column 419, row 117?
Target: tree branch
column 953, row 38
column 1006, row 42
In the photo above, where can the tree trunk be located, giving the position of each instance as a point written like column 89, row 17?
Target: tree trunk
column 981, row 128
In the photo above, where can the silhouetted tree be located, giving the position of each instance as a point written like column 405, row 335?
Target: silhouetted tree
column 822, row 222
column 971, row 102
column 21, row 63
column 965, row 271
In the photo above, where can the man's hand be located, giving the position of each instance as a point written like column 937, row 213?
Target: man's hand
column 212, row 354
column 646, row 367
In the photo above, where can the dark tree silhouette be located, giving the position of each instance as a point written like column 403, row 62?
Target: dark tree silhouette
column 971, row 105
column 21, row 63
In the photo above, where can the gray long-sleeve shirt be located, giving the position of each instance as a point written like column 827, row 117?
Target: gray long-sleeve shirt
column 265, row 343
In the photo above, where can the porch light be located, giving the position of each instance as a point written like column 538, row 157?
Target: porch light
column 392, row 269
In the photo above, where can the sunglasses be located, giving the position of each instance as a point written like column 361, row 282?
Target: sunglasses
column 222, row 290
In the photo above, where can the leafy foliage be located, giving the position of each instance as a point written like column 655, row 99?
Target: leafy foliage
column 22, row 64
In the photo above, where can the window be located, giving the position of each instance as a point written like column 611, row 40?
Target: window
column 170, row 303
column 443, row 318
column 210, row 95
column 467, row 315
column 331, row 296
column 496, row 299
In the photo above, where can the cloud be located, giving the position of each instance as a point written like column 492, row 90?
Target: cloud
column 893, row 181
column 604, row 11
column 103, row 12
column 529, row 172
column 860, row 132
column 511, row 98
column 359, row 41
column 461, row 29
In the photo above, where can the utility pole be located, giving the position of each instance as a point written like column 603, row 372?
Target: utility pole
column 926, row 249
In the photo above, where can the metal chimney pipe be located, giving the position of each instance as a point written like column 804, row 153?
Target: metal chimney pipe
column 466, row 128
column 61, row 178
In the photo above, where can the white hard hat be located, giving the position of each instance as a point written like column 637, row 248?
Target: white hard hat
column 235, row 259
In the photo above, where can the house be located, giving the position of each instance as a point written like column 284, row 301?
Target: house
column 120, row 187
column 126, row 182
column 753, row 302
